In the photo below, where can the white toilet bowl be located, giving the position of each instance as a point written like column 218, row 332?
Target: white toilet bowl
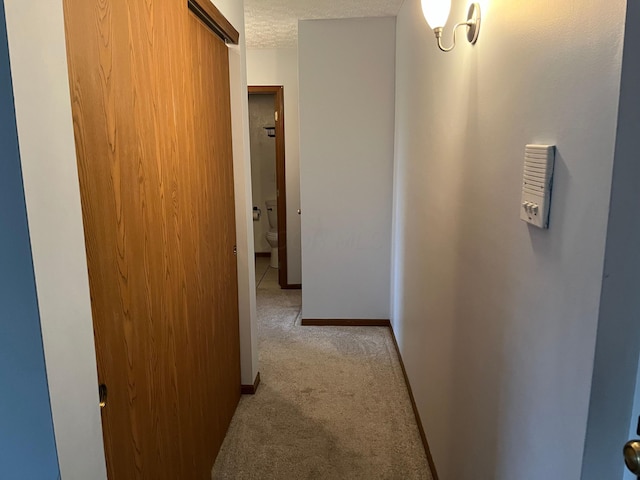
column 272, row 234
column 272, row 239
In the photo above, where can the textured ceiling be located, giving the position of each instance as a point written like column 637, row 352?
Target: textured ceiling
column 274, row 23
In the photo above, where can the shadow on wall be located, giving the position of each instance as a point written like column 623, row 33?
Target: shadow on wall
column 468, row 355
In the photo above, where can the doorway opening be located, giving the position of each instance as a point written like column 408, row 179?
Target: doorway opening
column 268, row 178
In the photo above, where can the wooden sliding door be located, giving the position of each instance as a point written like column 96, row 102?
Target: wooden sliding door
column 150, row 90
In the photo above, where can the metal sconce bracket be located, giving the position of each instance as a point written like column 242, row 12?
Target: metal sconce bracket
column 472, row 24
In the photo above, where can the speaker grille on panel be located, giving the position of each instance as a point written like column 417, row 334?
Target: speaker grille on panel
column 537, row 168
column 539, row 161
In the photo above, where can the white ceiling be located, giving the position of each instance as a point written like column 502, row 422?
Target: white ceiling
column 274, row 23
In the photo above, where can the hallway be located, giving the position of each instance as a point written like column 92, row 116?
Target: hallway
column 332, row 403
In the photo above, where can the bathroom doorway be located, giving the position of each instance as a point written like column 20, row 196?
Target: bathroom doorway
column 266, row 126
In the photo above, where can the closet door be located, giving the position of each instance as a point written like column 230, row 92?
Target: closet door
column 150, row 90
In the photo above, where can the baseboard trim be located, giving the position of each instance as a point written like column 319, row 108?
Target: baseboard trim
column 423, row 435
column 251, row 389
column 263, row 254
column 334, row 322
column 292, row 286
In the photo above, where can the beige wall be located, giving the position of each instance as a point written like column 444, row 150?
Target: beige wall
column 263, row 163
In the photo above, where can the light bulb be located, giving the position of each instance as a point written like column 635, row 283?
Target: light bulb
column 436, row 12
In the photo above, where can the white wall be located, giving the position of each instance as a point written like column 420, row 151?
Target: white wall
column 496, row 320
column 346, row 161
column 280, row 67
column 233, row 10
column 43, row 112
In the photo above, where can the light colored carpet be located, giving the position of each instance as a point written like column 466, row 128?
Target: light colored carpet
column 332, row 403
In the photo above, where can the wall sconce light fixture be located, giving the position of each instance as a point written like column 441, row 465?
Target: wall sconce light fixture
column 436, row 13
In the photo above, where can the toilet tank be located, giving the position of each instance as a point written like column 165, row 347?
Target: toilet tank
column 272, row 213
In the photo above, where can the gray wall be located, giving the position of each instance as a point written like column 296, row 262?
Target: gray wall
column 497, row 320
column 27, row 444
column 347, row 83
column 618, row 343
column 634, row 420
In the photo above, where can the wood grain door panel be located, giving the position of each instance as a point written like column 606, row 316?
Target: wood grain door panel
column 150, row 92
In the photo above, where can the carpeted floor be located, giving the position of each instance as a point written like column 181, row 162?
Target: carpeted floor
column 332, row 403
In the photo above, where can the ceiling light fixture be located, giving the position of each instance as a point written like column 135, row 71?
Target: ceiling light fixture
column 436, row 13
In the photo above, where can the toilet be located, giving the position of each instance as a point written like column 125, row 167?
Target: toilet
column 272, row 235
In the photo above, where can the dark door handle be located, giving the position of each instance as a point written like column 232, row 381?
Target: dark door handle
column 102, row 393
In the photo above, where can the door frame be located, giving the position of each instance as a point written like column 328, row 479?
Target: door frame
column 281, row 178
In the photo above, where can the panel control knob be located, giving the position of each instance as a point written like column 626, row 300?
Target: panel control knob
column 632, row 456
